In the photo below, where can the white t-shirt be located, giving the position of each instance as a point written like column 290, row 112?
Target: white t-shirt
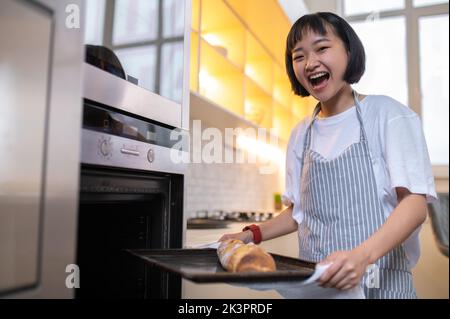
column 397, row 146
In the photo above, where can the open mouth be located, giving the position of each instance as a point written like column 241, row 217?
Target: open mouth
column 318, row 80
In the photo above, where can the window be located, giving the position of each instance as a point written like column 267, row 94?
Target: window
column 406, row 44
column 140, row 63
column 173, row 18
column 385, row 69
column 172, row 67
column 148, row 38
column 434, row 54
column 135, row 21
column 95, row 18
column 422, row 3
column 353, row 7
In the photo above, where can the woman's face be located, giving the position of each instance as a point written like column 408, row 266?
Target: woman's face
column 319, row 63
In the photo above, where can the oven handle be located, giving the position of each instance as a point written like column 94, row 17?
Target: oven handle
column 130, row 152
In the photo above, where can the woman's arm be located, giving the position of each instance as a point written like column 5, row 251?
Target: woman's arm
column 281, row 225
column 409, row 214
column 349, row 266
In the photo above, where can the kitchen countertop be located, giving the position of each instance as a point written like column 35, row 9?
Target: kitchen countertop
column 286, row 245
column 196, row 237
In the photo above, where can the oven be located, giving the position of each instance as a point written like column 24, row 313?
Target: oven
column 130, row 191
column 127, row 209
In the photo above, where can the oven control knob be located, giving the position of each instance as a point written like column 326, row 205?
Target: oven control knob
column 105, row 148
column 151, row 155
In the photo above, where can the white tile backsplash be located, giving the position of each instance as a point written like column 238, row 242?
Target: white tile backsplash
column 231, row 187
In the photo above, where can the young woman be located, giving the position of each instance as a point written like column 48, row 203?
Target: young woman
column 358, row 173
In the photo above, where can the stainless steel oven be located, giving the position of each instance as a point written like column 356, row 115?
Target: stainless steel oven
column 131, row 197
column 131, row 187
column 123, row 209
column 133, row 142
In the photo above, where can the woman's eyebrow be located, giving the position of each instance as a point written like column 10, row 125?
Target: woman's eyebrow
column 324, row 39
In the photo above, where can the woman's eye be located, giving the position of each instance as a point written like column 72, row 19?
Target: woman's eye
column 298, row 58
column 323, row 49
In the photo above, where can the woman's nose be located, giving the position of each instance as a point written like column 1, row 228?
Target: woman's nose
column 311, row 64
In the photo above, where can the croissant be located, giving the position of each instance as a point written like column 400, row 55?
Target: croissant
column 235, row 256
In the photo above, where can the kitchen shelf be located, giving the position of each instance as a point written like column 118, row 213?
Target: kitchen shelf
column 236, row 67
column 220, row 80
column 303, row 106
column 221, row 29
column 282, row 92
column 258, row 104
column 267, row 21
column 282, row 121
column 258, row 65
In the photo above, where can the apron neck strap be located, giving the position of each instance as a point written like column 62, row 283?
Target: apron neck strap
column 363, row 136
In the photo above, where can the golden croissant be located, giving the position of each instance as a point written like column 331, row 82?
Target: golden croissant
column 235, row 256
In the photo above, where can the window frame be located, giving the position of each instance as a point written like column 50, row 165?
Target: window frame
column 158, row 42
column 412, row 15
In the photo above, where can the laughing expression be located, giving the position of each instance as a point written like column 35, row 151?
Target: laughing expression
column 319, row 63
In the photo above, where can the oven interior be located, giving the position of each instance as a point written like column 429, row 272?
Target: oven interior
column 118, row 210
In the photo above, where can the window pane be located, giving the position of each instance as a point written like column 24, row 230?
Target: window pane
column 422, row 3
column 352, row 7
column 95, row 14
column 173, row 18
column 135, row 21
column 140, row 63
column 385, row 68
column 433, row 33
column 172, row 71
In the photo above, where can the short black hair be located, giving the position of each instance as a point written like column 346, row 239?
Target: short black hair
column 317, row 22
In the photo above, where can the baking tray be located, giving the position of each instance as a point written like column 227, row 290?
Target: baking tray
column 203, row 266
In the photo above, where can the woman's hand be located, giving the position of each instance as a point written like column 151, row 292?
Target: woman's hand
column 346, row 270
column 245, row 236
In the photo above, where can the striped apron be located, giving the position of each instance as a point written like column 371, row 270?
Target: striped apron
column 342, row 209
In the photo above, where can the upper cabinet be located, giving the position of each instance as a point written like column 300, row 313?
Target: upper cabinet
column 237, row 61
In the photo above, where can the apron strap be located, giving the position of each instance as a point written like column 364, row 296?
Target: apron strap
column 363, row 136
column 308, row 130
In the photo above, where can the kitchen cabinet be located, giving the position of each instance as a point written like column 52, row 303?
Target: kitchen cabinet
column 23, row 121
column 40, row 123
column 237, row 62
